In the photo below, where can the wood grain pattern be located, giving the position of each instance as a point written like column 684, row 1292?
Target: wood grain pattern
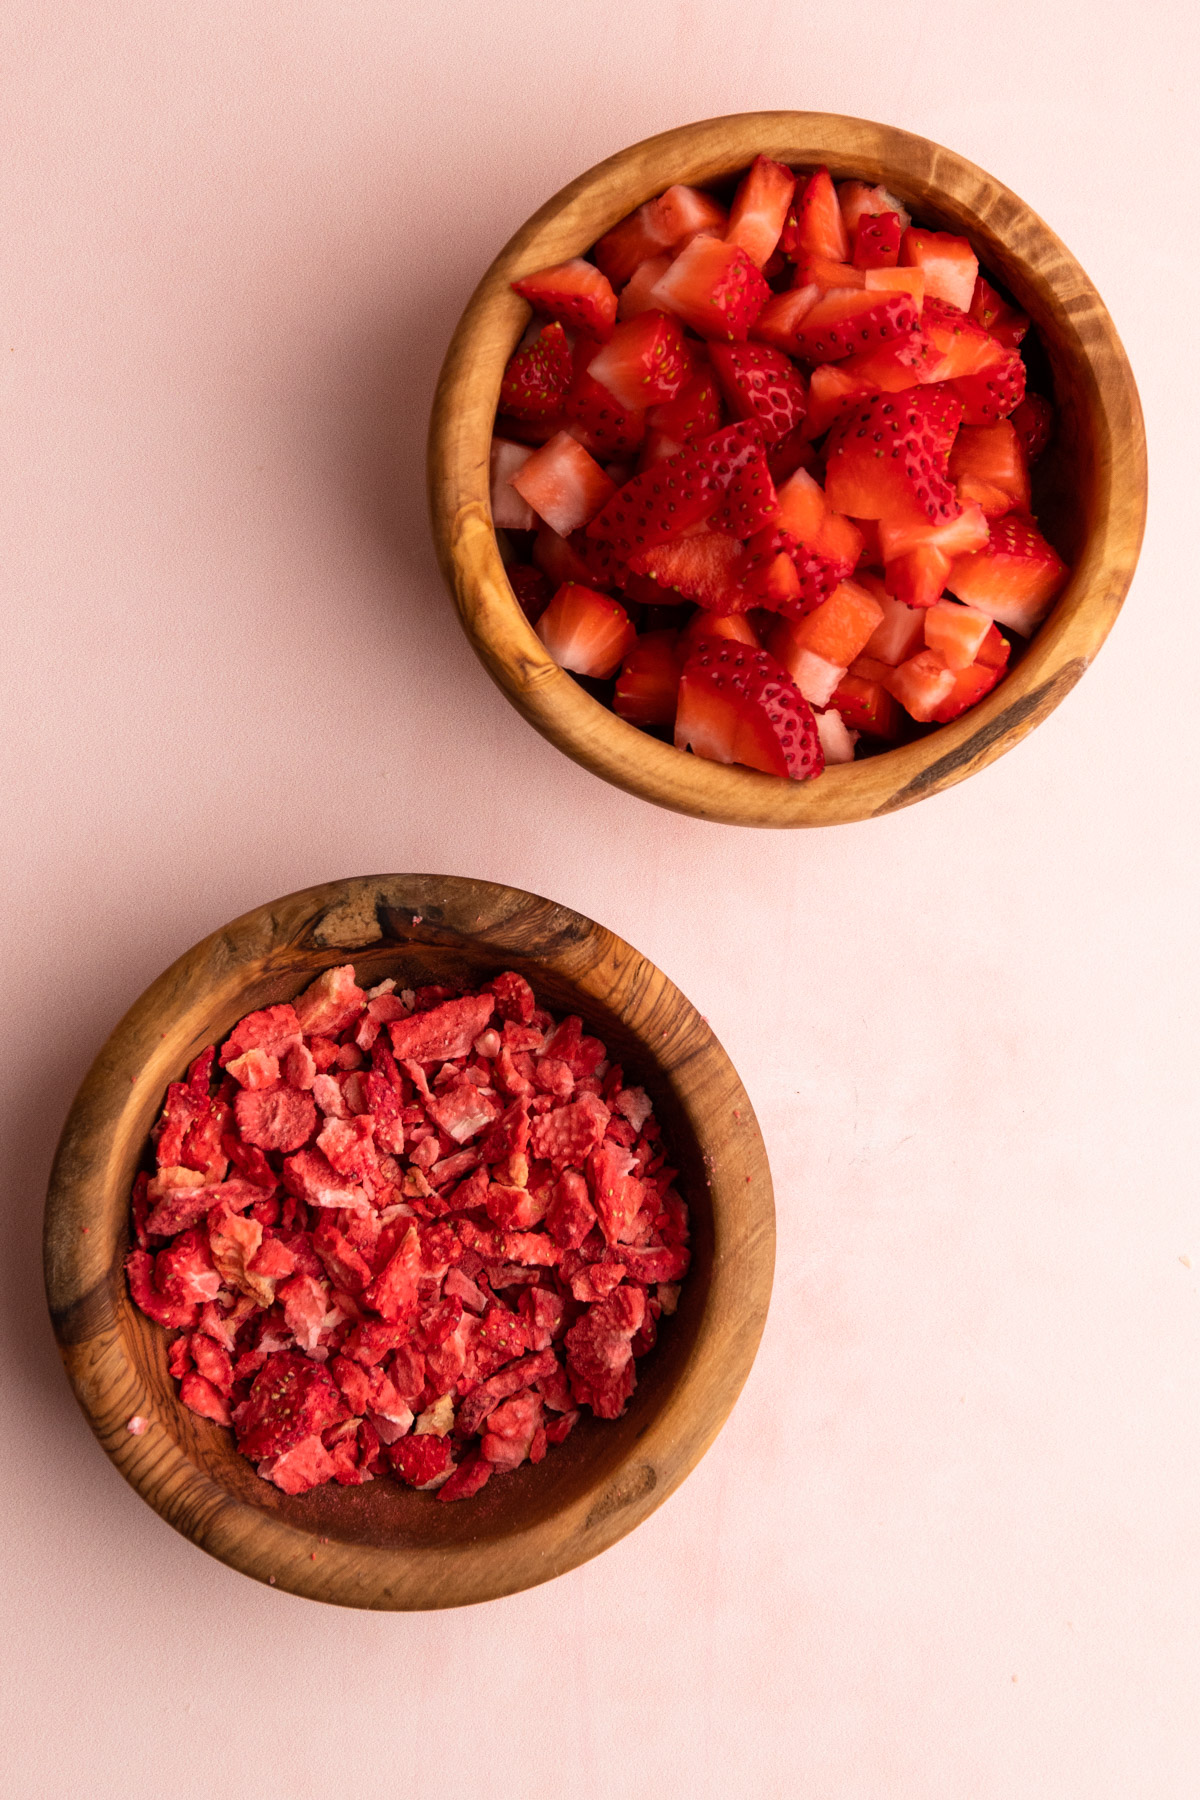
column 1090, row 492
column 383, row 1546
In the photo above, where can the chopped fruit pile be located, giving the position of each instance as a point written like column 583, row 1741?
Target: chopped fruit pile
column 407, row 1234
column 765, row 470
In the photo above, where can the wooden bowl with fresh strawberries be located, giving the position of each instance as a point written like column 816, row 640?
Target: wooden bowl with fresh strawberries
column 382, row 1545
column 1088, row 495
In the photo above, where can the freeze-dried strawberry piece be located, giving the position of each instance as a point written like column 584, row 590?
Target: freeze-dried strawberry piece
column 514, row 1074
column 372, row 1340
column 656, row 1262
column 349, row 1145
column 274, row 1259
column 180, row 1207
column 311, row 1177
column 463, row 1288
column 213, row 1362
column 184, row 1273
column 291, row 1399
column 543, row 1314
column 493, row 1340
column 599, row 1358
column 462, row 1111
column 305, row 1303
column 200, row 1396
column 139, row 1267
column 616, row 1191
column 342, row 1444
column 483, row 1399
column 514, row 1209
column 180, row 1358
column 597, row 1281
column 345, row 1267
column 299, row 1066
column 255, row 1069
column 471, row 1474
column 570, row 1215
column 443, row 1033
column 561, row 1427
column 273, row 1031
column 249, row 1162
column 420, row 1460
column 513, row 997
column 331, row 1003
column 565, row 1136
column 394, row 1291
column 353, row 1383
column 278, row 1118
column 307, row 1465
column 511, row 1430
column 233, row 1242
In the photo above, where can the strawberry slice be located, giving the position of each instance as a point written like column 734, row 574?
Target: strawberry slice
column 884, row 460
column 759, row 209
column 1016, row 579
column 659, row 225
column 970, row 686
column 897, row 281
column 586, row 632
column 814, row 225
column 575, row 293
column 750, row 502
column 1033, row 420
column 663, row 501
column 713, row 287
column 759, row 382
column 537, row 378
column 955, row 633
column 805, row 512
column 989, row 465
column 877, row 241
column 594, row 414
column 993, row 392
column 951, row 266
column 645, row 360
column 648, row 685
column 738, row 705
column 846, row 320
column 701, row 567
column 832, row 390
column 694, row 412
column 563, row 484
column 1007, row 324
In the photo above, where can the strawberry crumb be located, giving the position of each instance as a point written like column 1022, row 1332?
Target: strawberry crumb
column 422, row 1262
column 137, row 1426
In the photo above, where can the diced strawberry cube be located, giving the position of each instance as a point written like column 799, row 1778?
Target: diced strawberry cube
column 1015, row 579
column 737, row 705
column 537, row 377
column 575, row 293
column 837, row 630
column 760, row 382
column 949, row 263
column 899, row 634
column 509, row 511
column 659, row 225
column 921, row 684
column 816, row 227
column 782, row 316
column 648, row 684
column 837, row 740
column 877, row 241
column 713, row 287
column 858, row 200
column 970, row 686
column 866, row 706
column 760, row 207
column 955, row 633
column 647, row 360
column 563, row 484
column 585, row 631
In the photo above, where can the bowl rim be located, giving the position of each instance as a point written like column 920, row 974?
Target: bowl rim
column 86, row 1231
column 1017, row 245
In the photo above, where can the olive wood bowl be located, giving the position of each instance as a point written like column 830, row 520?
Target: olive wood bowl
column 382, row 1545
column 1089, row 493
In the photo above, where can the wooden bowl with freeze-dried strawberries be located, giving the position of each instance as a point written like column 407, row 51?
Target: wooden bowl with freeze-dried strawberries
column 409, row 1241
column 786, row 469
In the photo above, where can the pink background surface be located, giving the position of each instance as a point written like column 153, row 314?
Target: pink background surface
column 947, row 1545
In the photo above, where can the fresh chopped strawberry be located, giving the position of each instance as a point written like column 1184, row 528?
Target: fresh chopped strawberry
column 635, row 296
column 1033, row 420
column 900, row 632
column 865, row 705
column 833, row 389
column 897, row 281
column 962, row 346
column 738, row 705
column 509, row 511
column 992, row 393
column 995, row 649
column 858, row 200
column 877, row 241
column 921, row 685
column 759, row 382
column 967, row 531
column 819, row 272
column 883, row 460
column 713, row 287
column 819, row 229
column 644, row 362
column 655, row 227
column 537, row 378
column 575, row 293
column 563, row 484
column 532, row 589
column 1016, row 579
column 559, row 559
column 782, row 316
column 846, row 320
column 759, row 209
column 949, row 262
column 917, row 577
column 789, row 454
column 648, row 685
column 603, row 425
column 665, row 500
column 694, row 412
column 785, row 576
column 749, row 502
column 586, row 632
column 1007, row 324
column 955, row 633
column 988, row 465
column 701, row 566
column 837, row 740
column 970, row 686
column 802, row 506
column 837, row 630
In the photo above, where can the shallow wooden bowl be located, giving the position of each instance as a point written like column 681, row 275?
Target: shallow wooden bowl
column 382, row 1545
column 1090, row 492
